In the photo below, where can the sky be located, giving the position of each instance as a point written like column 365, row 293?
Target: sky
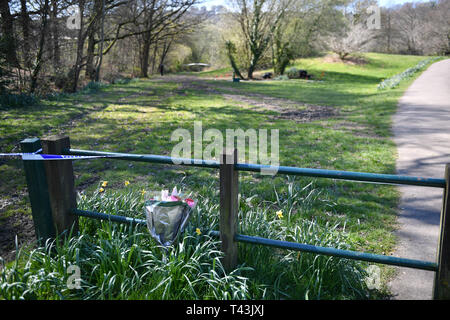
column 383, row 3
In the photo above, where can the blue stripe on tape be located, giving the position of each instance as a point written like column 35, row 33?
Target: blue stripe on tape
column 34, row 156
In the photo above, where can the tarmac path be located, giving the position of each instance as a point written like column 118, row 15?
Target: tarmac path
column 422, row 133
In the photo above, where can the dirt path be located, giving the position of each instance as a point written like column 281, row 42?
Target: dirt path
column 282, row 108
column 422, row 134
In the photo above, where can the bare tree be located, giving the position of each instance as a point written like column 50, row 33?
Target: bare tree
column 420, row 28
column 409, row 22
column 355, row 36
column 356, row 39
column 160, row 20
column 388, row 33
column 437, row 28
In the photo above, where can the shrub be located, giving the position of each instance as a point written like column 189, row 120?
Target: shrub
column 122, row 81
column 116, row 78
column 282, row 77
column 293, row 73
column 13, row 100
column 93, row 86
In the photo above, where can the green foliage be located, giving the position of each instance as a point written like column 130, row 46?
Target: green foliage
column 4, row 73
column 282, row 77
column 93, row 86
column 14, row 100
column 140, row 117
column 394, row 81
column 122, row 81
column 123, row 262
column 231, row 50
column 9, row 99
column 293, row 73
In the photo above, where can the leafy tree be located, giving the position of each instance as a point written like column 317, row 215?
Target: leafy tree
column 231, row 50
column 258, row 20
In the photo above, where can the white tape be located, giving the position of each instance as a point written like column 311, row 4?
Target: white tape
column 34, row 156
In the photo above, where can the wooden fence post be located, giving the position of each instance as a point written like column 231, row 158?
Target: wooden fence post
column 229, row 205
column 61, row 185
column 442, row 279
column 38, row 193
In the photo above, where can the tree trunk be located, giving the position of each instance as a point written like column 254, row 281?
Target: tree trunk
column 74, row 73
column 145, row 53
column 102, row 38
column 250, row 71
column 252, row 67
column 231, row 49
column 25, row 22
column 90, row 70
column 55, row 36
column 155, row 51
column 147, row 40
column 165, row 50
column 90, row 67
column 281, row 53
column 38, row 65
column 8, row 34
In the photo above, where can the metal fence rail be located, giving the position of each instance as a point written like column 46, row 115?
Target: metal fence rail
column 318, row 173
column 348, row 254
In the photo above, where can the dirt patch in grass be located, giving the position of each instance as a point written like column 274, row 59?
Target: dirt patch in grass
column 284, row 108
column 357, row 129
column 310, row 113
column 17, row 224
column 279, row 108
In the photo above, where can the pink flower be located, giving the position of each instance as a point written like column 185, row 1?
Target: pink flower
column 190, row 202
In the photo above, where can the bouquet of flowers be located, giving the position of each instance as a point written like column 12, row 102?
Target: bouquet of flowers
column 167, row 216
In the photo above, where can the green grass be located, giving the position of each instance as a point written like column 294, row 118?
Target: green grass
column 124, row 262
column 140, row 116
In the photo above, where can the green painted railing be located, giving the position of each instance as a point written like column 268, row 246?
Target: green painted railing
column 229, row 180
column 333, row 174
column 318, row 173
column 402, row 262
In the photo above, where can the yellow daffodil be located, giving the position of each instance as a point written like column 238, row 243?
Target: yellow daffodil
column 127, row 183
column 198, row 231
column 279, row 214
column 104, row 184
column 101, row 190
